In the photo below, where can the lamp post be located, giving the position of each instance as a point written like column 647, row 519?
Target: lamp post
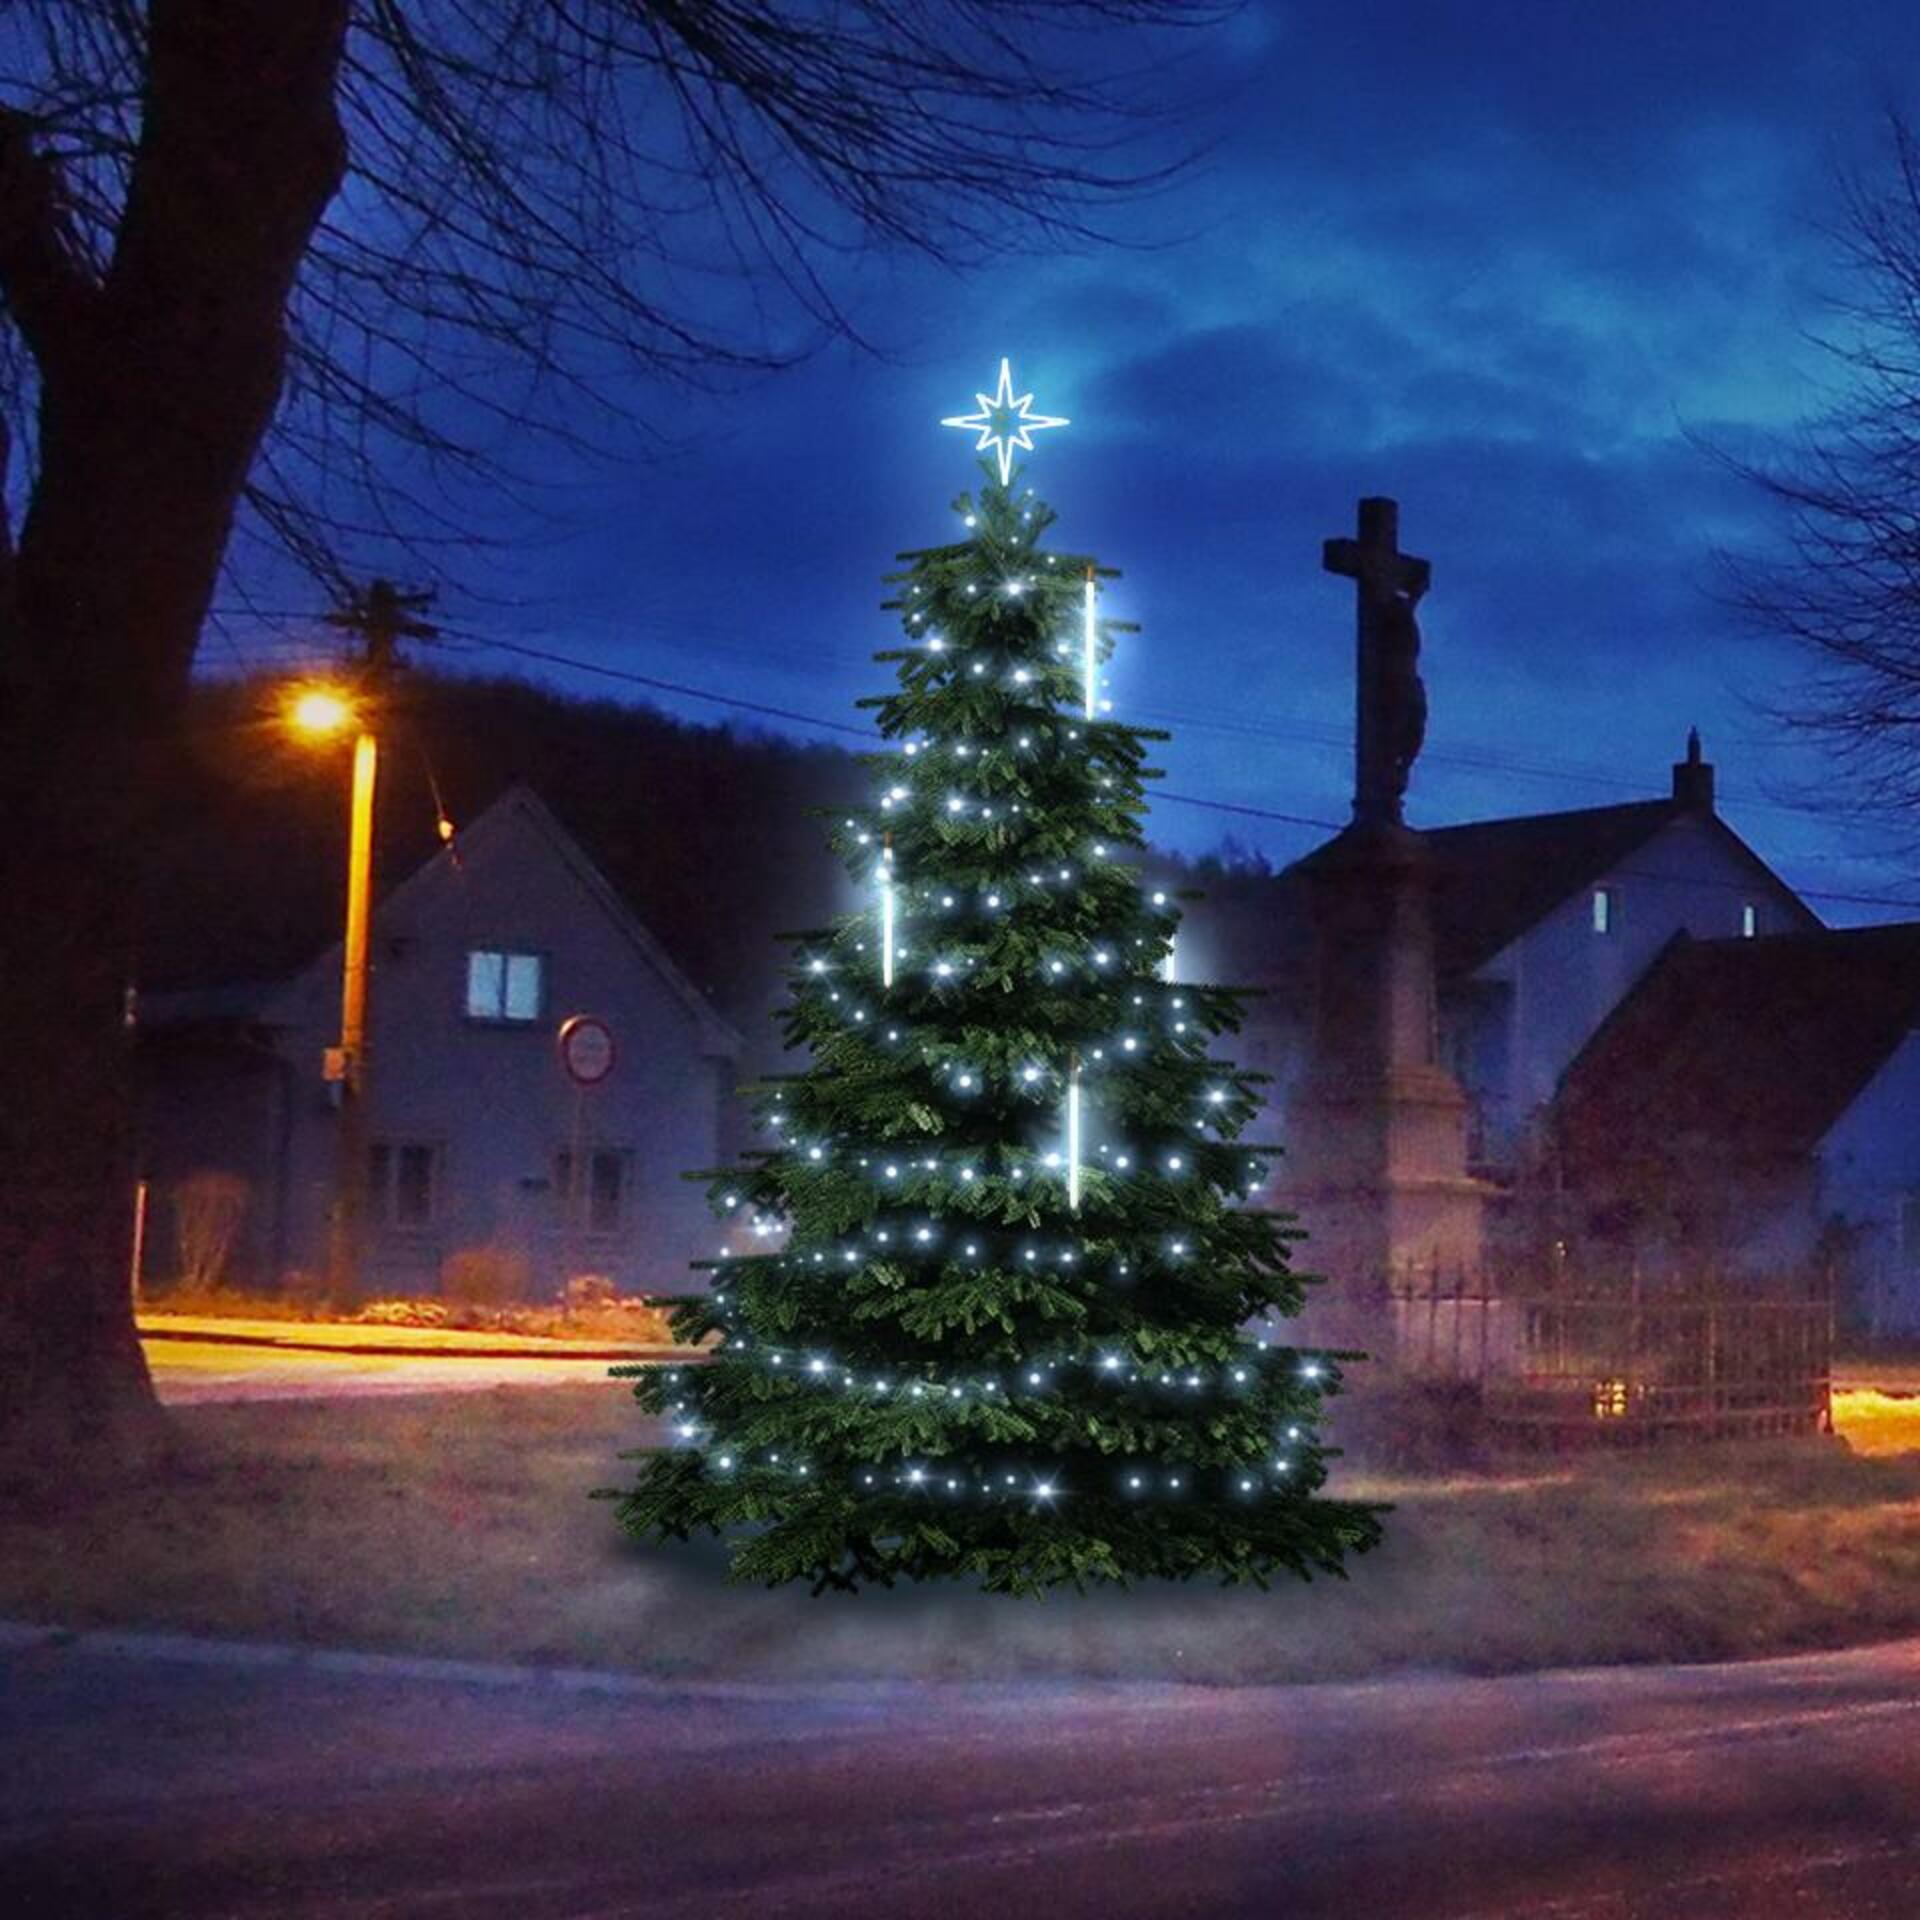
column 321, row 713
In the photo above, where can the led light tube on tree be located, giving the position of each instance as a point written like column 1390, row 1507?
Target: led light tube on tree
column 1073, row 1135
column 1092, row 650
column 886, row 912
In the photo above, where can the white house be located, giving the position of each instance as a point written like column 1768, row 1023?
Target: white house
column 1542, row 924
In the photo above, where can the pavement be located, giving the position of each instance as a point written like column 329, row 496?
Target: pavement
column 1896, row 1379
column 183, row 1778
column 197, row 1359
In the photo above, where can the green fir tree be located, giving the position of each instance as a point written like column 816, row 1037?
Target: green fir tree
column 1009, row 1321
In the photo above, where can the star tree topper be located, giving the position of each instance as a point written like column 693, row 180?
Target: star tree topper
column 1004, row 423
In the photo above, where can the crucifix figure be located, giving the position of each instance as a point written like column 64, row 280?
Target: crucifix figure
column 1391, row 715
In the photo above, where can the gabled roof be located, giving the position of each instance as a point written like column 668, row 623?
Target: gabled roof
column 233, row 1004
column 1749, row 1050
column 1496, row 878
column 263, row 1002
column 520, row 802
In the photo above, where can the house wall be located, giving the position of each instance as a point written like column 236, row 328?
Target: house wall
column 493, row 1101
column 1869, row 1166
column 215, row 1104
column 1526, row 1013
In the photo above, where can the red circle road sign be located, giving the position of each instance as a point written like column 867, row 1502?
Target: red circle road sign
column 586, row 1049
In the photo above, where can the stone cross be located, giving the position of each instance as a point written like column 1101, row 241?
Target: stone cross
column 1391, row 710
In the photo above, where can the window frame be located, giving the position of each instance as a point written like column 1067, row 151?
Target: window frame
column 542, row 961
column 385, row 1159
column 624, row 1161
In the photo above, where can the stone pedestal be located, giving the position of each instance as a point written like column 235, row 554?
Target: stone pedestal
column 1377, row 1130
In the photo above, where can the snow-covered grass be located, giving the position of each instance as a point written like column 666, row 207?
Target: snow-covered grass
column 459, row 1524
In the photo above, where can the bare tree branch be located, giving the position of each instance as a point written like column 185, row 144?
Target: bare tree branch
column 551, row 197
column 1846, row 493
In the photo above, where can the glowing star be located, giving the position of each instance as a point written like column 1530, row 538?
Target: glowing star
column 1004, row 422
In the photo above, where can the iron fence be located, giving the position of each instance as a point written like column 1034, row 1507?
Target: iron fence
column 1612, row 1359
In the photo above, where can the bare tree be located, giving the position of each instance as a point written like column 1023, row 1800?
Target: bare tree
column 208, row 1208
column 1847, row 490
column 256, row 258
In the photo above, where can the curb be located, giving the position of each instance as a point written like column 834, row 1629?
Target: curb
column 356, row 1349
column 24, row 1638
column 18, row 1637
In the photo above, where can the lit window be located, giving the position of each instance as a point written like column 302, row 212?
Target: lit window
column 506, row 986
column 609, row 1176
column 1610, row 1399
column 400, row 1183
column 1749, row 920
column 1606, row 909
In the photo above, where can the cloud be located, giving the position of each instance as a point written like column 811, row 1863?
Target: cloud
column 1497, row 260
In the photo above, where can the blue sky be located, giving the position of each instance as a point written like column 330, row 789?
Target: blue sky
column 1505, row 262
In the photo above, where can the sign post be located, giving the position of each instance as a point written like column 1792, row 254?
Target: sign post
column 587, row 1055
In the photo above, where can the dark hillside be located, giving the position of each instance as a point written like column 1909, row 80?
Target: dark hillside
column 710, row 833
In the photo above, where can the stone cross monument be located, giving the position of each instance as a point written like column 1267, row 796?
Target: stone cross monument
column 1378, row 1165
column 1390, row 709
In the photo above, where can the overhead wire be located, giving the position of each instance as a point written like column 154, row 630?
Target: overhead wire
column 1242, row 808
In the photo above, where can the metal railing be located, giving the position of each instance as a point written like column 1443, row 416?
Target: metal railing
column 1562, row 1359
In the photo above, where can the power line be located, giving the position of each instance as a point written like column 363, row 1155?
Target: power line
column 669, row 686
column 1470, row 757
column 1241, row 808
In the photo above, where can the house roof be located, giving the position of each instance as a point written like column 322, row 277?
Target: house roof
column 229, row 1003
column 257, row 1002
column 1496, row 878
column 1749, row 1049
column 717, row 1035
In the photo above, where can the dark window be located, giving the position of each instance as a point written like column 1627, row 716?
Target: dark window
column 400, row 1183
column 1910, row 1231
column 507, row 987
column 609, row 1174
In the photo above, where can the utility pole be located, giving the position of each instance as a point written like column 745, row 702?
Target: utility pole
column 382, row 616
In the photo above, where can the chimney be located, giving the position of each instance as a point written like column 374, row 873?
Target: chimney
column 1693, row 778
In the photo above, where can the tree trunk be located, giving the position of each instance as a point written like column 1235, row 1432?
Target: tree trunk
column 157, row 380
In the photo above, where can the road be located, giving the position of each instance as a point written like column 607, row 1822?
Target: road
column 164, row 1787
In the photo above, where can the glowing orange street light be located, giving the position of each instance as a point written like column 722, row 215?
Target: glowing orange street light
column 321, row 712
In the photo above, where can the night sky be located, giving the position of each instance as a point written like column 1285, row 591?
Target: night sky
column 1508, row 263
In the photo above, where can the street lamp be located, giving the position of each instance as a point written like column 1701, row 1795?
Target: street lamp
column 321, row 712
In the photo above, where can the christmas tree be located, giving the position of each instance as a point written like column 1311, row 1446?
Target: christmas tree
column 993, row 1322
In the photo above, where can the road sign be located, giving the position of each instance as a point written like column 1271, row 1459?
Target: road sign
column 586, row 1049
